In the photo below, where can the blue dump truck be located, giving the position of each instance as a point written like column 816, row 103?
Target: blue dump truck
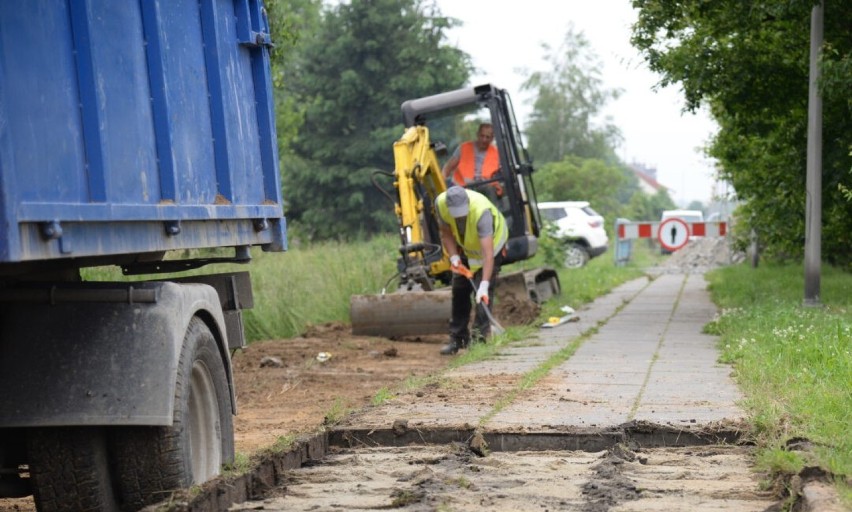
column 137, row 134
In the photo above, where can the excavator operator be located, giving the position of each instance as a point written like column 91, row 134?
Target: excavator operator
column 474, row 235
column 475, row 160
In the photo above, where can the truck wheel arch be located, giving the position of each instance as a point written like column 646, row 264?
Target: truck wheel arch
column 153, row 460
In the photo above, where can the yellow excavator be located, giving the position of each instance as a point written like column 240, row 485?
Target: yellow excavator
column 420, row 304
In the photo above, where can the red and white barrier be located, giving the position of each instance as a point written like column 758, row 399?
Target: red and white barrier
column 632, row 230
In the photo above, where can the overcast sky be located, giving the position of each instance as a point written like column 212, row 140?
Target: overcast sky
column 504, row 39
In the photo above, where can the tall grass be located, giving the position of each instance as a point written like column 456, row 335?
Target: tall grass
column 300, row 287
column 794, row 363
column 312, row 284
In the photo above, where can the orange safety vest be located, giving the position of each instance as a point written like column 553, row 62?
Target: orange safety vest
column 466, row 172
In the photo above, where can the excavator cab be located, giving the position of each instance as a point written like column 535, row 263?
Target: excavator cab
column 453, row 118
column 432, row 125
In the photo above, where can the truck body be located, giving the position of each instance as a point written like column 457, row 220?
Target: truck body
column 139, row 134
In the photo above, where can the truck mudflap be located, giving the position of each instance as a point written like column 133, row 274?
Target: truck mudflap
column 417, row 313
column 99, row 353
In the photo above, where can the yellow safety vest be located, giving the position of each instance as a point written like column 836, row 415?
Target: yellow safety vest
column 478, row 205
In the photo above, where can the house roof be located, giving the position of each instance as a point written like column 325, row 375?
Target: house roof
column 642, row 173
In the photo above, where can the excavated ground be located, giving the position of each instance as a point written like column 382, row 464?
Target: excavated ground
column 286, row 388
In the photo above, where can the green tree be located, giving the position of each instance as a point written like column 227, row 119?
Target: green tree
column 695, row 205
column 568, row 99
column 582, row 179
column 290, row 22
column 648, row 207
column 365, row 59
column 749, row 62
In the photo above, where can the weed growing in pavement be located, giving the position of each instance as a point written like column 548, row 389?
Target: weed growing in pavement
column 382, row 396
column 404, row 497
column 793, row 363
column 335, row 413
column 462, row 482
column 242, row 464
column 415, row 382
column 283, row 443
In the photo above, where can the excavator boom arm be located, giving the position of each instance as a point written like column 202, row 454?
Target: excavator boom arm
column 418, row 181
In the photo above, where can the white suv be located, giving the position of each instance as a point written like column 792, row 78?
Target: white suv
column 581, row 228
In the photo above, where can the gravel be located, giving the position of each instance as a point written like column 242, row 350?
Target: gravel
column 699, row 256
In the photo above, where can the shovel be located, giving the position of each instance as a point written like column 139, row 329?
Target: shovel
column 495, row 325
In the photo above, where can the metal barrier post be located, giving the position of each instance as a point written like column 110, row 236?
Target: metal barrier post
column 623, row 247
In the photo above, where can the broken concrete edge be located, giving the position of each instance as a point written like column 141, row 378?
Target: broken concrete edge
column 640, row 434
column 818, row 496
column 812, row 491
column 268, row 469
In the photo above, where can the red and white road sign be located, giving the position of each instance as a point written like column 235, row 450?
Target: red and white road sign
column 673, row 234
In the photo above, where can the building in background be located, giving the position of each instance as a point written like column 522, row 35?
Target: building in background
column 647, row 177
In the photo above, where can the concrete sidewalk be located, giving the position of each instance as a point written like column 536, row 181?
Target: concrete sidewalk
column 640, row 357
column 648, row 362
column 624, row 410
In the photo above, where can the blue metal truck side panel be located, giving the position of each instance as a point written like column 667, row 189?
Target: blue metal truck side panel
column 119, row 118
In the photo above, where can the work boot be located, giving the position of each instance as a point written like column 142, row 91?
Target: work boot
column 450, row 348
column 454, row 345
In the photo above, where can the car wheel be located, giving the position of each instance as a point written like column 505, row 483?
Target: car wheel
column 576, row 256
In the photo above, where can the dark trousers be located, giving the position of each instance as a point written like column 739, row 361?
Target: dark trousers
column 464, row 295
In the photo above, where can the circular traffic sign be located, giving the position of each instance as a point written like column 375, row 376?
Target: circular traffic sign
column 673, row 234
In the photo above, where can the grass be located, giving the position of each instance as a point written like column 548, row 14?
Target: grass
column 382, row 396
column 302, row 287
column 597, row 278
column 311, row 285
column 336, row 412
column 794, row 363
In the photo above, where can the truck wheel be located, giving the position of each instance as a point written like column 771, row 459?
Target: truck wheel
column 69, row 468
column 575, row 256
column 153, row 460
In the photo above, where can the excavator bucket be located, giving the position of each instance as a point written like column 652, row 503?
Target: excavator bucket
column 417, row 313
column 536, row 285
column 404, row 313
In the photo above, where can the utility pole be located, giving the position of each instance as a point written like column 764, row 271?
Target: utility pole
column 813, row 203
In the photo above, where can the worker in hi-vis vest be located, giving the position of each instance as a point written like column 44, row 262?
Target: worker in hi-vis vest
column 474, row 236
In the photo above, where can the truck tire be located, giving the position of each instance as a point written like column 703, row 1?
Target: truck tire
column 69, row 468
column 576, row 256
column 152, row 461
